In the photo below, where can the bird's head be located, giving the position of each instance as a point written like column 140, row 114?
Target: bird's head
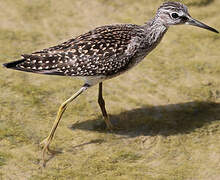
column 175, row 13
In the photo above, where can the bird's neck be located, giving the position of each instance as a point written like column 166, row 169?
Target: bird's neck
column 154, row 30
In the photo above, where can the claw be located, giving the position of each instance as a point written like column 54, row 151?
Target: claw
column 45, row 143
column 46, row 149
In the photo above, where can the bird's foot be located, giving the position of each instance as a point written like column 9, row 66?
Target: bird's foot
column 46, row 143
column 46, row 149
column 111, row 127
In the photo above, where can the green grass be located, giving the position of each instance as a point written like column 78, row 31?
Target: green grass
column 3, row 158
column 168, row 106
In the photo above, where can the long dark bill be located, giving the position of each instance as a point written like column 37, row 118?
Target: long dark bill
column 197, row 23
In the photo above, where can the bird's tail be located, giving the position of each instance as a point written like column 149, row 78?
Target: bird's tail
column 13, row 64
column 35, row 64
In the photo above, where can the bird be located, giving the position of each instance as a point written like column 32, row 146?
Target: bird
column 103, row 53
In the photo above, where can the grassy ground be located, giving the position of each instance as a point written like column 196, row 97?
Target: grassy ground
column 168, row 106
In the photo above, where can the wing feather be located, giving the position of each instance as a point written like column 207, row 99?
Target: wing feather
column 103, row 51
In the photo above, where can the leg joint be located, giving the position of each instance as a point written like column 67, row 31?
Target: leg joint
column 63, row 106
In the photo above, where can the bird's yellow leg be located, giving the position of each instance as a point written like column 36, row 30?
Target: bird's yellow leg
column 46, row 142
column 102, row 107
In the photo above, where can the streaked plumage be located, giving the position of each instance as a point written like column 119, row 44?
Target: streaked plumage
column 103, row 53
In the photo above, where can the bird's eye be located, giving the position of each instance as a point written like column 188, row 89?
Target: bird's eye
column 174, row 15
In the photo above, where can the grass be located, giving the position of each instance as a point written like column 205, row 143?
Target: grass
column 168, row 106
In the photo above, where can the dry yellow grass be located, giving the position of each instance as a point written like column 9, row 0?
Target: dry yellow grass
column 168, row 105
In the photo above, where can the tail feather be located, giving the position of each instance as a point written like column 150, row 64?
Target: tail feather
column 13, row 64
column 34, row 64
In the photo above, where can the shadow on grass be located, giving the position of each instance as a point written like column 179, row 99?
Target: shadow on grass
column 153, row 120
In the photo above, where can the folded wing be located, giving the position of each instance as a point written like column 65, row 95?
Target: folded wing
column 104, row 51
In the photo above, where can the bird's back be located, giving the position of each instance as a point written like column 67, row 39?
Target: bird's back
column 104, row 51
